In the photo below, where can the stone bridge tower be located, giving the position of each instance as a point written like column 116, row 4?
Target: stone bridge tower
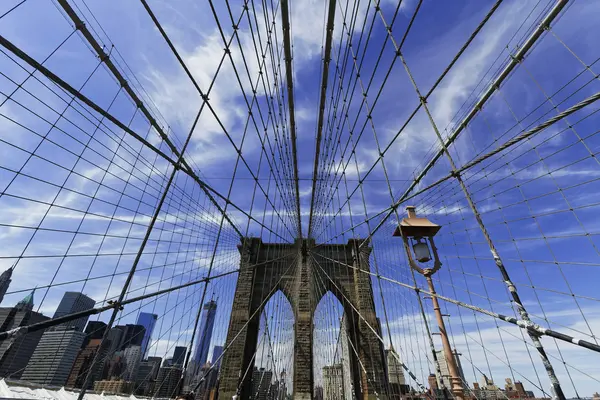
column 304, row 277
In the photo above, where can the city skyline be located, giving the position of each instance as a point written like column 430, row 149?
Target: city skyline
column 130, row 343
column 71, row 340
column 63, row 355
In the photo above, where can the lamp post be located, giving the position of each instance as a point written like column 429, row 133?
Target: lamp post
column 418, row 231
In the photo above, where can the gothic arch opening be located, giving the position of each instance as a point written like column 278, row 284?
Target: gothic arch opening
column 273, row 370
column 331, row 350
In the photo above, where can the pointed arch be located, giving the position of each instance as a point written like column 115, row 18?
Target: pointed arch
column 274, row 362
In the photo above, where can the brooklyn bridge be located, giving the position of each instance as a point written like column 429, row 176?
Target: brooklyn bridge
column 299, row 199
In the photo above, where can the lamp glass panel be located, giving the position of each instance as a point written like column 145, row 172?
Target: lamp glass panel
column 422, row 253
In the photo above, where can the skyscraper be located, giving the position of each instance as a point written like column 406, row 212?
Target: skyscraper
column 132, row 356
column 318, row 393
column 345, row 361
column 54, row 356
column 27, row 303
column 179, row 356
column 15, row 353
column 261, row 383
column 133, row 335
column 206, row 387
column 95, row 329
column 434, row 390
column 158, row 360
column 488, row 390
column 148, row 321
column 5, row 281
column 333, row 382
column 205, row 334
column 217, row 351
column 167, row 382
column 281, row 392
column 446, row 371
column 146, row 375
column 73, row 302
column 83, row 362
column 113, row 366
column 395, row 375
column 115, row 336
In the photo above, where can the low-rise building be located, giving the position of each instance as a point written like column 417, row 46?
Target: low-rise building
column 114, row 386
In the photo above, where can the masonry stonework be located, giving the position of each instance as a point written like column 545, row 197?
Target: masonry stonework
column 304, row 272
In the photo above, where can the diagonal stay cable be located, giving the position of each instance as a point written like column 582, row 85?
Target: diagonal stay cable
column 204, row 96
column 431, row 90
column 360, row 314
column 509, row 143
column 273, row 289
column 254, row 99
column 322, row 100
column 22, row 330
column 495, row 84
column 79, row 25
column 84, row 99
column 70, row 89
column 285, row 18
column 364, row 98
column 100, row 52
column 389, row 210
column 527, row 325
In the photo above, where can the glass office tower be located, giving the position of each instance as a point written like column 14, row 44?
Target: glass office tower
column 148, row 321
column 205, row 334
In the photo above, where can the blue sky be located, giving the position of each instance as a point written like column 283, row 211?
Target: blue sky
column 549, row 257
